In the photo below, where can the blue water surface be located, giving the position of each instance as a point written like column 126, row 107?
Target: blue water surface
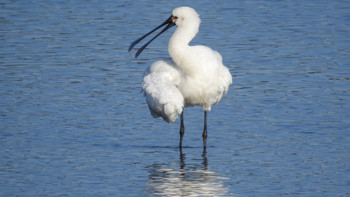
column 73, row 120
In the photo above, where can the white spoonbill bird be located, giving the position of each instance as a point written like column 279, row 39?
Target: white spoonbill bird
column 195, row 75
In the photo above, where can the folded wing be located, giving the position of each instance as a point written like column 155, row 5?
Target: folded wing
column 160, row 87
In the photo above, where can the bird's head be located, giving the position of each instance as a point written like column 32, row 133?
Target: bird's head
column 181, row 16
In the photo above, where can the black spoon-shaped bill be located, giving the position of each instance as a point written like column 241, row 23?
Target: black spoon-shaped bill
column 169, row 22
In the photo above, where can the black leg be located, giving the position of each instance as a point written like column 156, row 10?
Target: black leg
column 205, row 160
column 204, row 135
column 182, row 159
column 182, row 129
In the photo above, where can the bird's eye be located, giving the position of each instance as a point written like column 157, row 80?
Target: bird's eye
column 174, row 18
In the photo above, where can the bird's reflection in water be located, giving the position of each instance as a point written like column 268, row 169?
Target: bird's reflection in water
column 194, row 180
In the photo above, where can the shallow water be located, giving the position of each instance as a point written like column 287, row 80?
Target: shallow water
column 73, row 121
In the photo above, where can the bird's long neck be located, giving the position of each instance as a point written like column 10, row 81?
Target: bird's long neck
column 179, row 44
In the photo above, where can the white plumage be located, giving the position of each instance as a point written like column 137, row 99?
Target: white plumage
column 161, row 88
column 195, row 75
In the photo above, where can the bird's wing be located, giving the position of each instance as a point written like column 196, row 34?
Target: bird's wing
column 160, row 87
column 225, row 77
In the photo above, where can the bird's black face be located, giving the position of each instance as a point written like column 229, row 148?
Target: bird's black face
column 170, row 22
